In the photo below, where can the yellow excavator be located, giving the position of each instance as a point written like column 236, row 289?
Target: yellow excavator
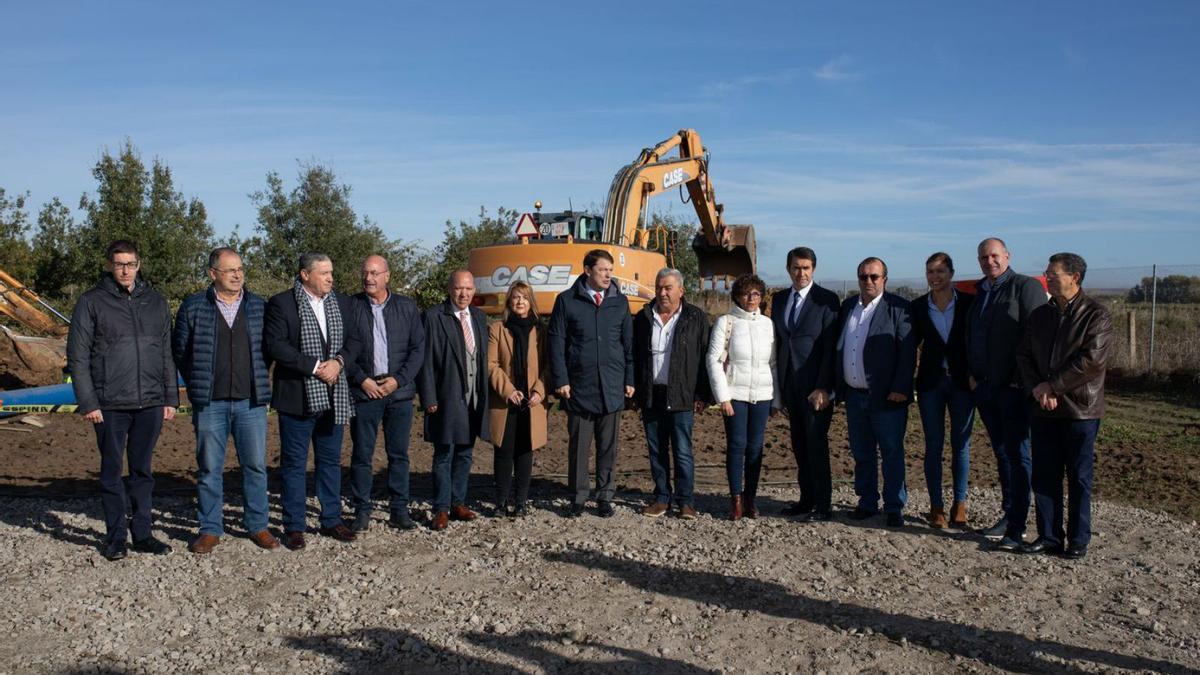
column 552, row 258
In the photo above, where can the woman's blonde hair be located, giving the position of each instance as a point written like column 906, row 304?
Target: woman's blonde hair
column 524, row 289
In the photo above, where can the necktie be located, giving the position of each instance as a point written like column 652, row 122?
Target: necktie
column 468, row 335
column 796, row 300
column 599, row 298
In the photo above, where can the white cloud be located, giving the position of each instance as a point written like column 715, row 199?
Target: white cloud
column 728, row 87
column 837, row 69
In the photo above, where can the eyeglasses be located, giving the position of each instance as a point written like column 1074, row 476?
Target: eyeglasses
column 870, row 277
column 752, row 294
column 231, row 270
column 128, row 266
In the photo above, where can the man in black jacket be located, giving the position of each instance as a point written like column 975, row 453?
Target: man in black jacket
column 1003, row 302
column 119, row 357
column 805, row 319
column 383, row 381
column 310, row 334
column 670, row 340
column 453, row 384
column 591, row 368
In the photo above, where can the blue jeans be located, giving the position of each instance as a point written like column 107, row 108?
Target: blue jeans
column 1058, row 446
column 397, row 417
column 669, row 434
column 882, row 430
column 295, row 433
column 1005, row 413
column 127, row 435
column 213, row 424
column 451, row 473
column 933, row 405
column 744, row 450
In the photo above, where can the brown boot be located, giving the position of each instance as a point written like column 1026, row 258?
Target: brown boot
column 937, row 517
column 749, row 507
column 735, row 511
column 958, row 514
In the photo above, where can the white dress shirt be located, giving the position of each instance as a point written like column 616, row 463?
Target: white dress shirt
column 854, row 342
column 662, row 338
column 318, row 308
column 796, row 304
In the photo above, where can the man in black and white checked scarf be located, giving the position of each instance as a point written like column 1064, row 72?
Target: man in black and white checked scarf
column 317, row 394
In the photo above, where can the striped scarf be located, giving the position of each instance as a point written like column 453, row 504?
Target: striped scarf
column 318, row 396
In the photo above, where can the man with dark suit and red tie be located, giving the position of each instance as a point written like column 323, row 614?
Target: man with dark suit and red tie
column 805, row 318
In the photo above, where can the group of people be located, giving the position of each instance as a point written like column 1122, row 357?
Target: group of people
column 1034, row 369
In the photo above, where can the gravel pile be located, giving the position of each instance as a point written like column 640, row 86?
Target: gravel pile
column 547, row 594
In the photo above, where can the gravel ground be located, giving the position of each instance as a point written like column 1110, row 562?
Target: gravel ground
column 546, row 594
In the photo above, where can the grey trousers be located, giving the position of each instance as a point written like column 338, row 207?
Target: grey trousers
column 582, row 428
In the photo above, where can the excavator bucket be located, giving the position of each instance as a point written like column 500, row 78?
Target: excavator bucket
column 725, row 263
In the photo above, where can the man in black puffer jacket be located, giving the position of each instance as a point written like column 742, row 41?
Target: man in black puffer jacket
column 119, row 357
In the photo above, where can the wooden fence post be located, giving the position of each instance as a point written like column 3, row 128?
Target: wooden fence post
column 1132, row 340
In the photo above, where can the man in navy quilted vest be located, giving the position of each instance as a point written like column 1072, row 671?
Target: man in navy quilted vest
column 218, row 348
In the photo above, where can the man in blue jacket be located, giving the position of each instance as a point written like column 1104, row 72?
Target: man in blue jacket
column 218, row 349
column 383, row 381
column 876, row 355
column 119, row 357
column 805, row 319
column 591, row 366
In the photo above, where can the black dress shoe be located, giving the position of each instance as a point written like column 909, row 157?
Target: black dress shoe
column 520, row 512
column 115, row 550
column 895, row 520
column 362, row 521
column 861, row 514
column 817, row 516
column 402, row 520
column 1009, row 544
column 605, row 509
column 576, row 511
column 996, row 531
column 150, row 545
column 1040, row 545
column 1075, row 553
column 795, row 509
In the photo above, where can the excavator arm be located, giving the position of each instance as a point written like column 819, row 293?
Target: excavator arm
column 724, row 251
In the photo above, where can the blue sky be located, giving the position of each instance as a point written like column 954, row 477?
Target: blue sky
column 889, row 129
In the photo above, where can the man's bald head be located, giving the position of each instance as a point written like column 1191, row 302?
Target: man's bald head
column 375, row 277
column 993, row 257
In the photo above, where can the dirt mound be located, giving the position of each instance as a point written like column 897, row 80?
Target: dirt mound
column 30, row 362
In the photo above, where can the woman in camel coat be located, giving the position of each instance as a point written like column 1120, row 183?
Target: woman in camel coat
column 517, row 415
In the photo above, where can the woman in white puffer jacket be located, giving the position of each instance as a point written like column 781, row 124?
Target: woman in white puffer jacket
column 741, row 369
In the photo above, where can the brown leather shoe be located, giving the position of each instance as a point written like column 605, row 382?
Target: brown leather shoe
column 339, row 532
column 751, row 509
column 441, row 520
column 735, row 509
column 205, row 543
column 958, row 514
column 687, row 512
column 462, row 513
column 294, row 541
column 655, row 510
column 265, row 540
column 937, row 517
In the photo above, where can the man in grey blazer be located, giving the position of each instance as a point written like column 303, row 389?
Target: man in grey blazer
column 453, row 386
column 876, row 355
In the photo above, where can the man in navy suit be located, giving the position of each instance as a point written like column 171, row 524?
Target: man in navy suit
column 876, row 354
column 453, row 386
column 805, row 319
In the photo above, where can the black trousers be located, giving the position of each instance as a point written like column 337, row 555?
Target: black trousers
column 582, row 429
column 810, row 446
column 514, row 453
column 127, row 435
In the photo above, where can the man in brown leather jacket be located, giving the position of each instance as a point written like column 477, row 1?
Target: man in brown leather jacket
column 1062, row 359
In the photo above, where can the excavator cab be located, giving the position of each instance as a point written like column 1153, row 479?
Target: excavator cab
column 561, row 224
column 736, row 255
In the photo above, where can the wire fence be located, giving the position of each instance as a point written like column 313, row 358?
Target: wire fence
column 1155, row 311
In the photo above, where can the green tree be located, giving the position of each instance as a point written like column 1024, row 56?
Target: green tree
column 316, row 216
column 678, row 234
column 16, row 255
column 455, row 249
column 142, row 205
column 62, row 263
